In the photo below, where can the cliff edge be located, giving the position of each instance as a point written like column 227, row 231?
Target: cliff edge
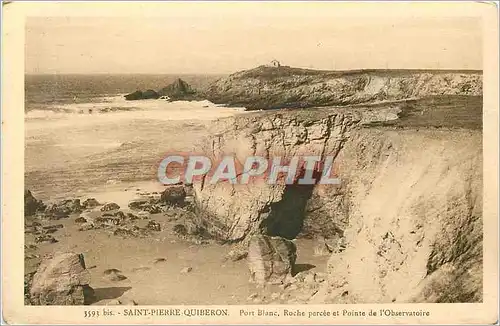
column 267, row 87
column 405, row 223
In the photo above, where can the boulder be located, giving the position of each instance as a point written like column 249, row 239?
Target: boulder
column 132, row 231
column 45, row 238
column 138, row 204
column 30, row 229
column 109, row 207
column 137, row 95
column 153, row 225
column 270, row 259
column 153, row 209
column 52, row 228
column 146, row 205
column 87, row 226
column 143, row 215
column 90, row 203
column 132, row 217
column 126, row 232
column 64, row 208
column 61, row 280
column 140, row 95
column 31, row 204
column 173, row 195
column 121, row 215
column 108, row 220
column 81, row 219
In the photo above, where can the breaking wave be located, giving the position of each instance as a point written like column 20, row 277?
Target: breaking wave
column 157, row 109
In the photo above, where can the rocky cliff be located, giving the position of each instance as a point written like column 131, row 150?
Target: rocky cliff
column 285, row 87
column 231, row 212
column 414, row 218
column 405, row 224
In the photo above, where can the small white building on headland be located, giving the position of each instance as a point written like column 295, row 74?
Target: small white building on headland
column 274, row 63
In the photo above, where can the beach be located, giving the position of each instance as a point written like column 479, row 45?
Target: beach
column 112, row 155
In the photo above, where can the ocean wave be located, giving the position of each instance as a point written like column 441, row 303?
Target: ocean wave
column 145, row 109
column 43, row 114
column 103, row 145
column 61, row 113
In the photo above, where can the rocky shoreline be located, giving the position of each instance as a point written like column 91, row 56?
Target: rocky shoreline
column 411, row 183
column 284, row 87
column 134, row 222
column 44, row 285
column 335, row 219
column 267, row 88
column 396, row 210
column 179, row 90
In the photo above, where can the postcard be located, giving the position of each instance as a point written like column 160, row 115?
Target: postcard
column 250, row 162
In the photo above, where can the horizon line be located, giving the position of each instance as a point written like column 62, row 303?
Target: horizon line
column 229, row 73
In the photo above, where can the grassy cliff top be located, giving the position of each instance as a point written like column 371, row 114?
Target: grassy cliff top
column 264, row 72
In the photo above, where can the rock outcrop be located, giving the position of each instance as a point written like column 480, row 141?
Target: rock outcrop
column 63, row 208
column 285, row 87
column 405, row 223
column 31, row 204
column 62, row 280
column 178, row 90
column 90, row 203
column 109, row 207
column 174, row 195
column 231, row 212
column 137, row 95
column 140, row 95
column 271, row 259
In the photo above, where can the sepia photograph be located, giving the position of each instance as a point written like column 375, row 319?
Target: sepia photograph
column 269, row 156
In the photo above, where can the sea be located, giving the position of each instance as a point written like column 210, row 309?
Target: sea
column 83, row 137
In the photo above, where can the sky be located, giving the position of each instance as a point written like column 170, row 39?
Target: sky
column 197, row 39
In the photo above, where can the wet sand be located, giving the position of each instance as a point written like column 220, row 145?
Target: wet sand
column 153, row 265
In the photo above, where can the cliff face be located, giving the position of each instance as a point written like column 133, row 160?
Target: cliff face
column 231, row 212
column 285, row 87
column 414, row 231
column 404, row 225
